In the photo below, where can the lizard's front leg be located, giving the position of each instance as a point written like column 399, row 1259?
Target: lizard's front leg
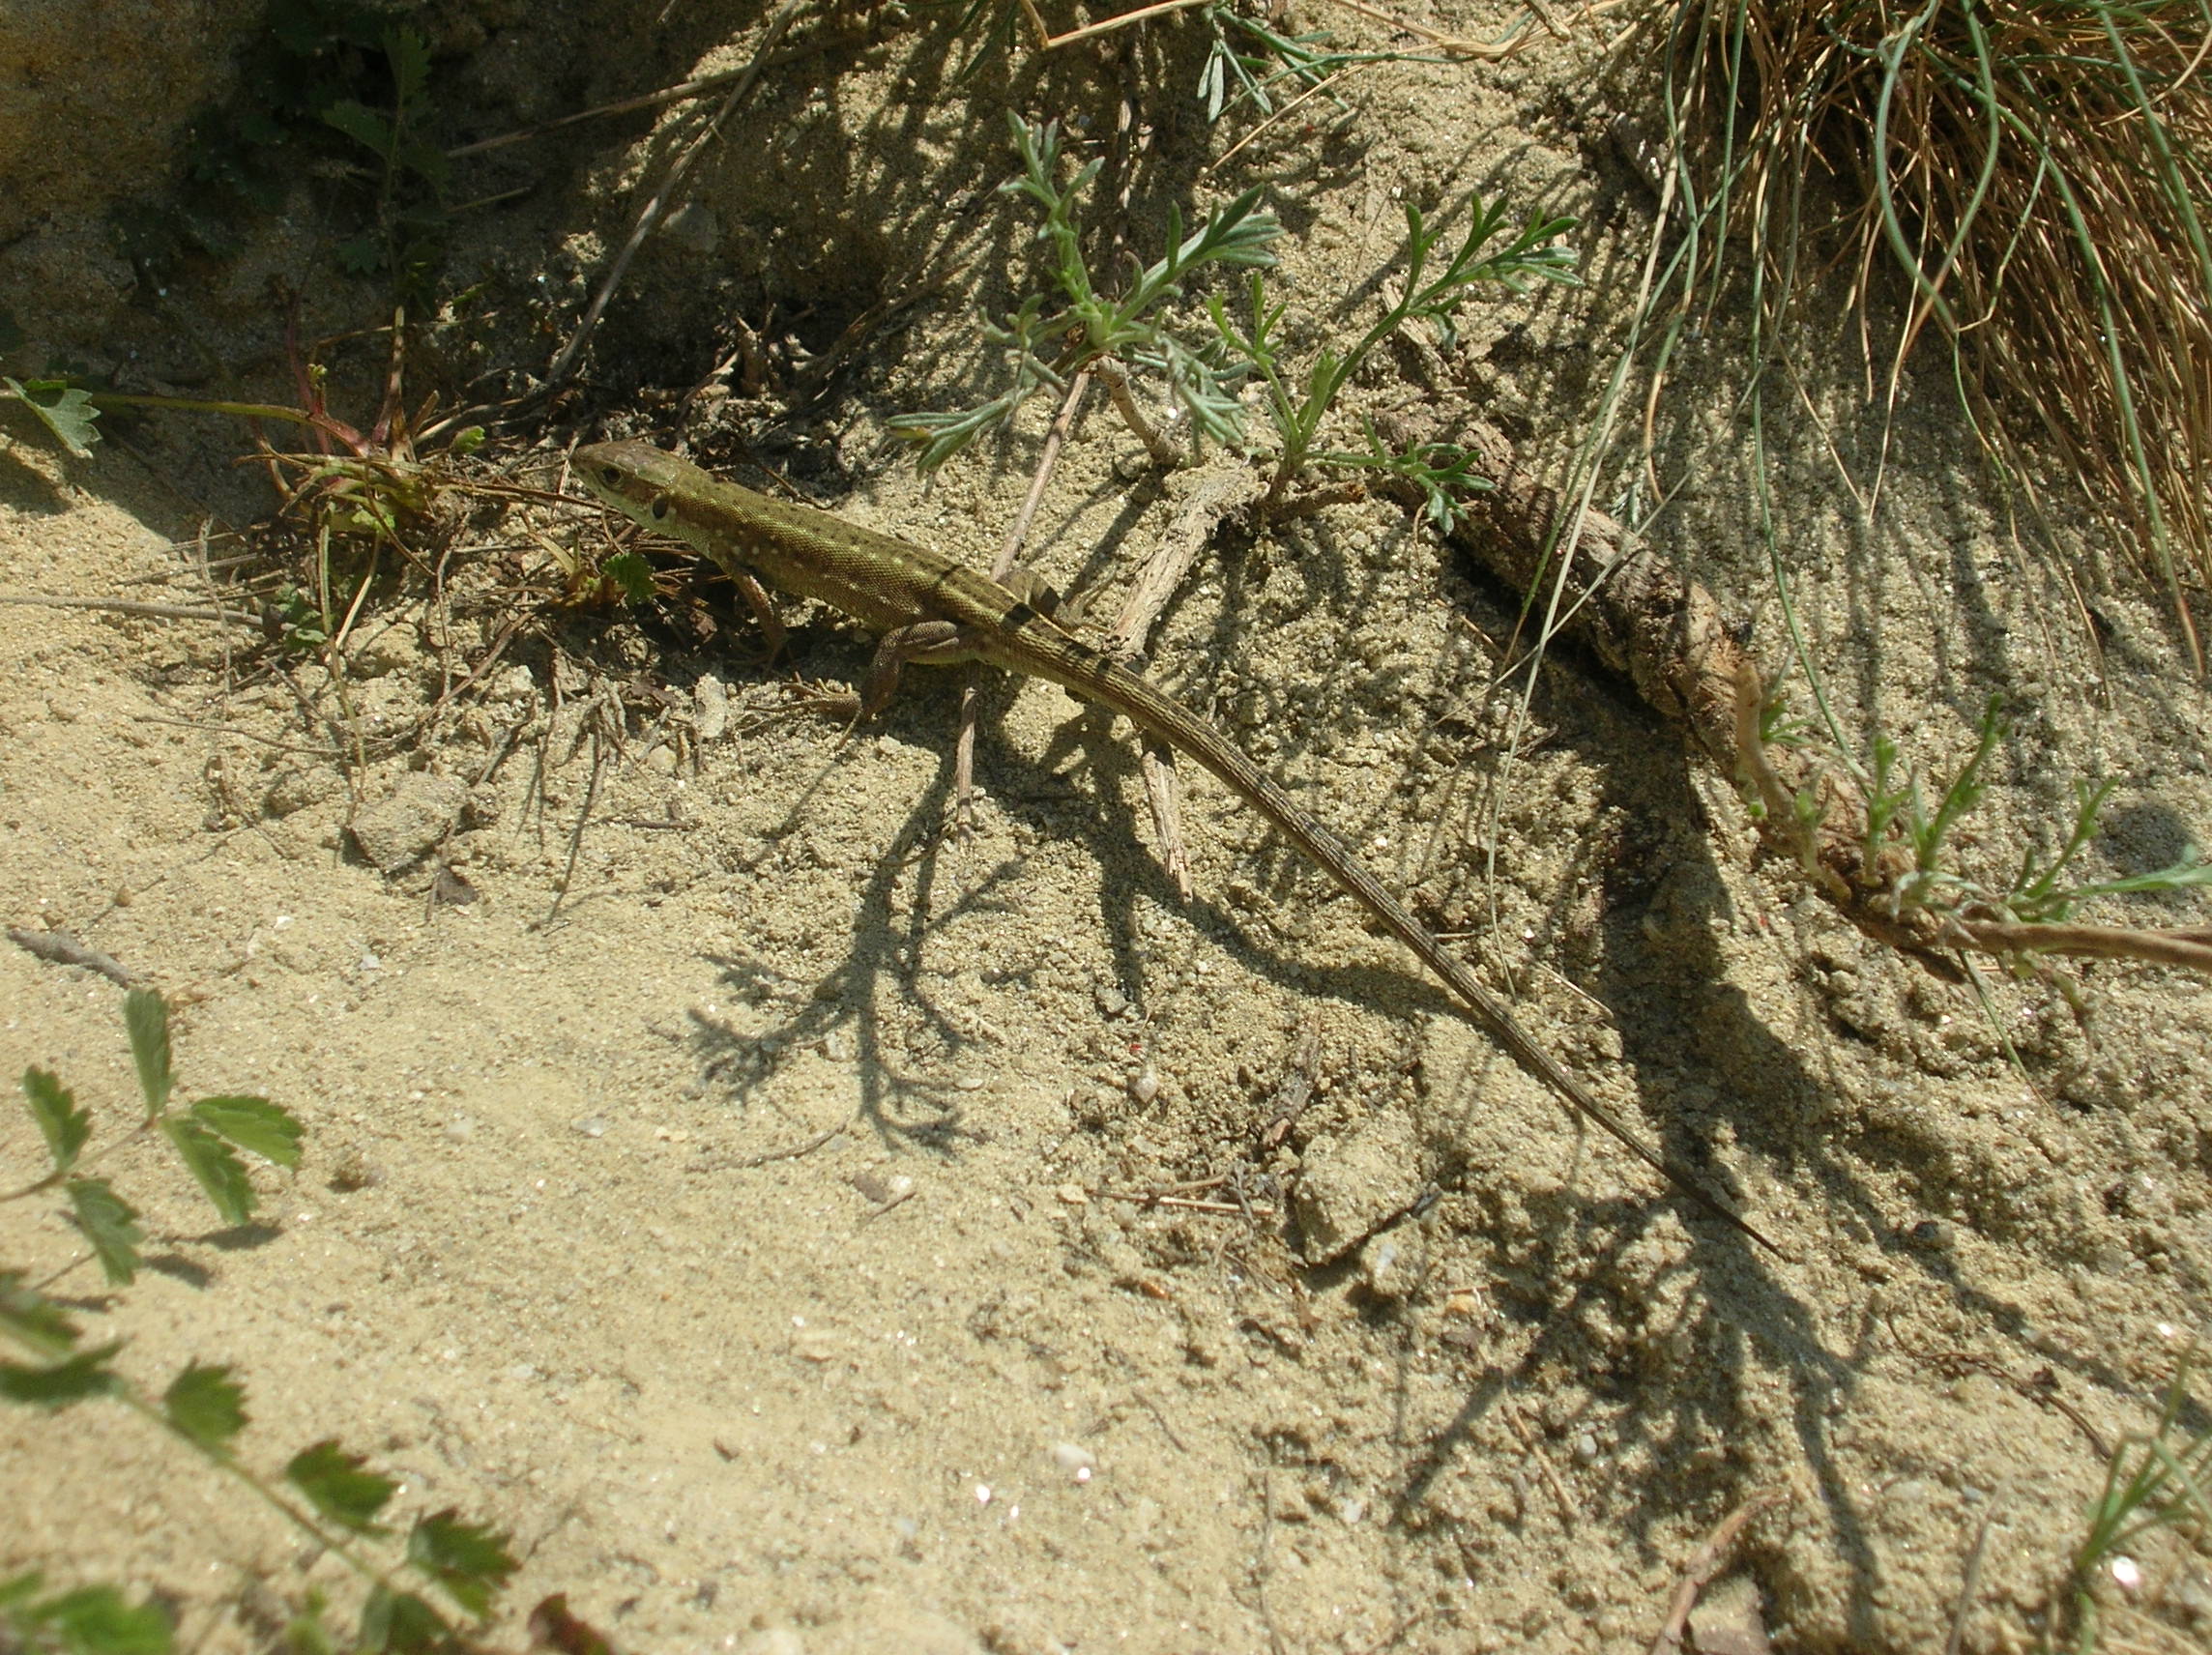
column 941, row 643
column 925, row 643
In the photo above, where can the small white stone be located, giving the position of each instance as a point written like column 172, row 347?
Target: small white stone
column 1075, row 1460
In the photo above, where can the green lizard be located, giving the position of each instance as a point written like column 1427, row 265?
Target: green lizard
column 931, row 609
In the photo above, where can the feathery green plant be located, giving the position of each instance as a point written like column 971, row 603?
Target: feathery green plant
column 1912, row 843
column 2159, row 1481
column 1106, row 336
column 206, row 1137
column 1529, row 256
column 325, row 1492
column 1091, row 329
column 325, row 86
column 1248, row 59
column 328, row 1494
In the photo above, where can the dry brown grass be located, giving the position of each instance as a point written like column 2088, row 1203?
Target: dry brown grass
column 2040, row 172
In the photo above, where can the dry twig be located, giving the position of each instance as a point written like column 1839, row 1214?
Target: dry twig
column 1705, row 1563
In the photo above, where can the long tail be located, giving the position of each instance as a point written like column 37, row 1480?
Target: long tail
column 1187, row 733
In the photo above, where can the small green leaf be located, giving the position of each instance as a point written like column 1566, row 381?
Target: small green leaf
column 206, row 1405
column 410, row 56
column 269, row 1131
column 60, row 1384
column 65, row 411
column 147, row 1016
column 466, row 441
column 107, row 1220
column 361, row 255
column 362, row 124
column 33, row 1320
column 401, row 1623
column 20, row 1588
column 94, row 1620
column 469, row 1559
column 52, row 1106
column 631, row 574
column 216, row 1166
column 307, row 1635
column 337, row 1486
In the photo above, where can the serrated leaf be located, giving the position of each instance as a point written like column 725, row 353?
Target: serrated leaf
column 215, row 1164
column 63, row 409
column 410, row 56
column 57, row 1384
column 401, row 1623
column 268, row 1129
column 631, row 574
column 337, row 1486
column 32, row 1320
column 469, row 1559
column 94, row 1620
column 207, row 1405
column 52, row 1106
column 362, row 124
column 147, row 1016
column 361, row 255
column 106, row 1219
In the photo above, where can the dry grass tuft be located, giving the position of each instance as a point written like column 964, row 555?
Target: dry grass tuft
column 2040, row 172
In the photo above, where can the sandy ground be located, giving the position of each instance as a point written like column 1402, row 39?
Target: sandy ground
column 753, row 1240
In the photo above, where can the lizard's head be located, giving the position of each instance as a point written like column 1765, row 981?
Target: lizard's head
column 636, row 478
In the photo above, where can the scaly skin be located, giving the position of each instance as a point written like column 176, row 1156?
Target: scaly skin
column 952, row 613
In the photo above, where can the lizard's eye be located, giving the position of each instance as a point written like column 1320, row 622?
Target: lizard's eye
column 660, row 505
column 610, row 476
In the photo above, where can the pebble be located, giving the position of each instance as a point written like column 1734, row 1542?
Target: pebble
column 418, row 812
column 710, row 708
column 1349, row 1186
column 2192, row 1590
column 1075, row 1460
column 1382, row 1267
column 1727, row 1620
column 773, row 1640
column 590, row 1125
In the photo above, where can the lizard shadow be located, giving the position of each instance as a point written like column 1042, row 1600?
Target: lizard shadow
column 1688, row 1353
column 887, row 939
